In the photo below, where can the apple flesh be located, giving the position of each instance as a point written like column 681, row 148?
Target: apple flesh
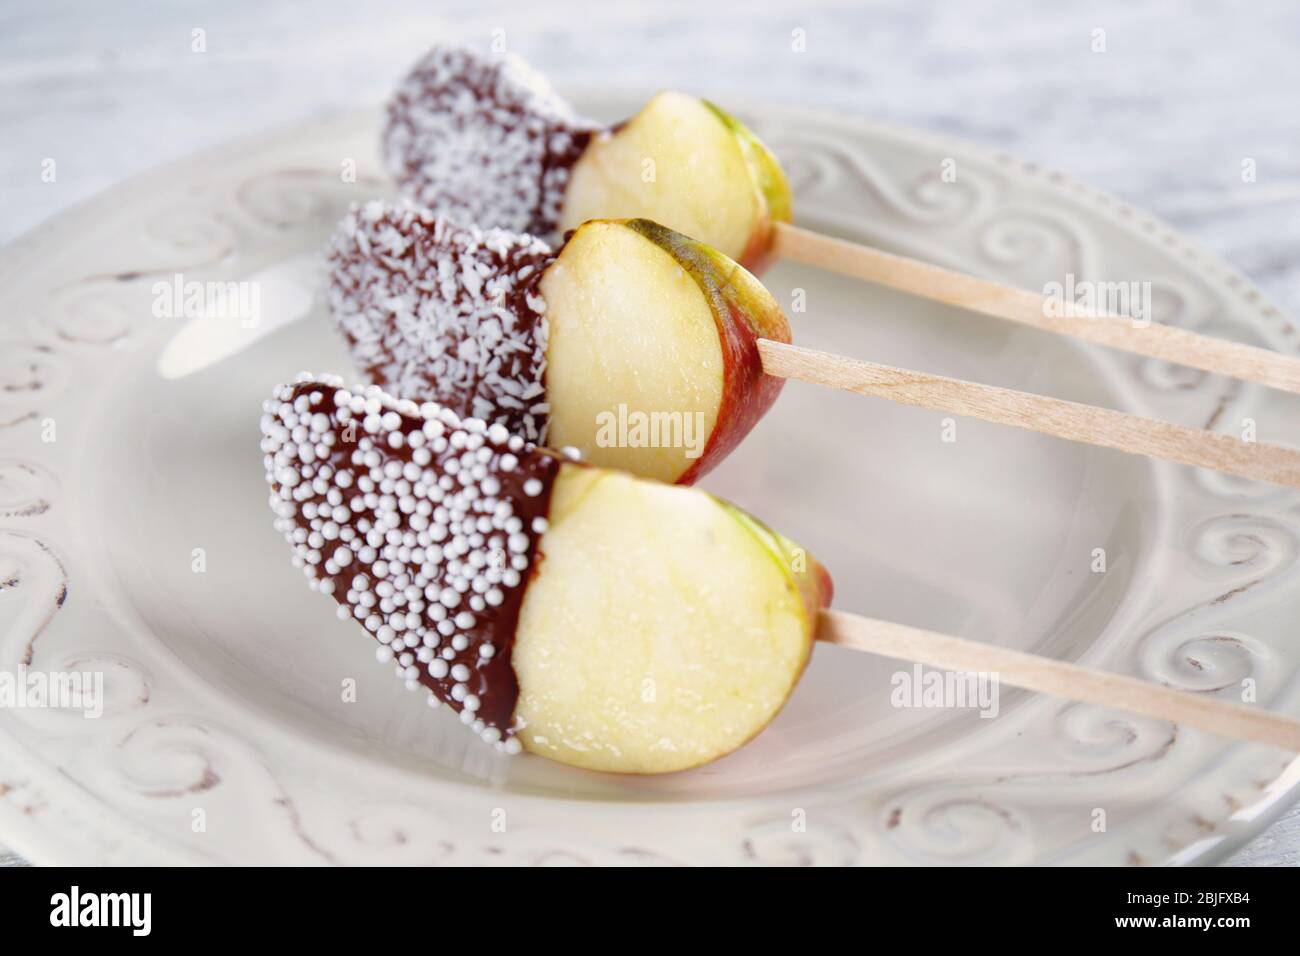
column 652, row 358
column 687, row 164
column 662, row 628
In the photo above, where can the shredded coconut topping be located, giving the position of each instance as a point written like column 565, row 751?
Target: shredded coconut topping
column 453, row 314
column 422, row 525
column 483, row 139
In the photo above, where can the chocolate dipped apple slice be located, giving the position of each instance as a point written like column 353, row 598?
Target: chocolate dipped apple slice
column 483, row 139
column 642, row 322
column 649, row 351
column 632, row 343
column 595, row 618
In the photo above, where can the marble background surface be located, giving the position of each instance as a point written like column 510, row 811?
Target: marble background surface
column 1164, row 117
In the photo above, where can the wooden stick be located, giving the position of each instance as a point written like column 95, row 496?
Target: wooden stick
column 1169, row 343
column 1060, row 679
column 1050, row 416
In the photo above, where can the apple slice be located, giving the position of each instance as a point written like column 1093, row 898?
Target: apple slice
column 663, row 630
column 685, row 163
column 484, row 140
column 652, row 365
column 635, row 344
column 598, row 619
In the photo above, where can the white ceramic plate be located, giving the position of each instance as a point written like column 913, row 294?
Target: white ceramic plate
column 226, row 737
